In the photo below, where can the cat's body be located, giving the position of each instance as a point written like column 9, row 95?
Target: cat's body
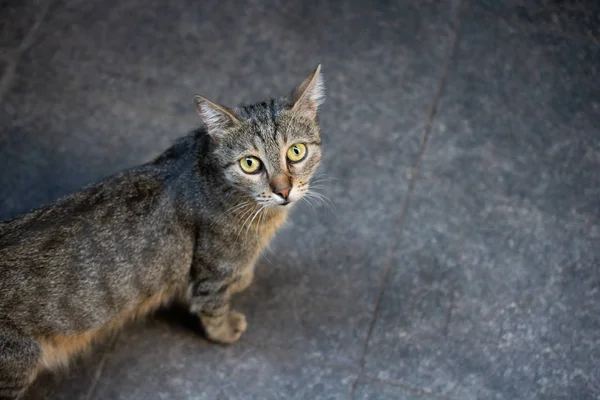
column 187, row 226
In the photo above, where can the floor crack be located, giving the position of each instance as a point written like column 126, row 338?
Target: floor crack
column 100, row 367
column 385, row 271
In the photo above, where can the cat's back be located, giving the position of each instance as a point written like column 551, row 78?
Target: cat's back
column 87, row 250
column 111, row 206
column 123, row 196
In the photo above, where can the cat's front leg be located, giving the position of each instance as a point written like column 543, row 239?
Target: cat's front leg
column 211, row 302
column 243, row 280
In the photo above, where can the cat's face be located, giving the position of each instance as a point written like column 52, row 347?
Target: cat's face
column 271, row 159
column 269, row 150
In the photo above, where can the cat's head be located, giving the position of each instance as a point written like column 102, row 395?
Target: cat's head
column 269, row 150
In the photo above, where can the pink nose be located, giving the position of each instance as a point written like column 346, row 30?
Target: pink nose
column 283, row 192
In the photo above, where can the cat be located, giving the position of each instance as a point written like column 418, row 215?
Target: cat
column 187, row 227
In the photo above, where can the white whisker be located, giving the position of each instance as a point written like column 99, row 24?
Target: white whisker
column 319, row 196
column 249, row 215
column 323, row 178
column 260, row 220
column 311, row 204
column 243, row 213
column 236, row 207
column 318, row 187
column 252, row 220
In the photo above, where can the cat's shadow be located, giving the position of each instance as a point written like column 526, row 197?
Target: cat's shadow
column 178, row 316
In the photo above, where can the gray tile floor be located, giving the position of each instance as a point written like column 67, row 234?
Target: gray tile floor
column 462, row 139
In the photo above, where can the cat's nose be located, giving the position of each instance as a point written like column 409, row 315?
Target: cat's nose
column 283, row 192
column 281, row 186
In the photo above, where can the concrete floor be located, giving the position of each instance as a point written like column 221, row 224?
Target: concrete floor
column 462, row 153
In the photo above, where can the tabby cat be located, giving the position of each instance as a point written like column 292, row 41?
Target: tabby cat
column 186, row 227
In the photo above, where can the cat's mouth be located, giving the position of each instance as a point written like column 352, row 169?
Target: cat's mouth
column 285, row 203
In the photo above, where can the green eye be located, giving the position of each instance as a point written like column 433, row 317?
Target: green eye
column 296, row 152
column 250, row 165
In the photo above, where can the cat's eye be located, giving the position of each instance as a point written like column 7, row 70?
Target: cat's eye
column 297, row 152
column 250, row 165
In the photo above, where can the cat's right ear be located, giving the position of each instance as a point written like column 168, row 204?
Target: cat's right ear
column 307, row 97
column 218, row 119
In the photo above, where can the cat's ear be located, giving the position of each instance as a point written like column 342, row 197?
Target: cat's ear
column 307, row 97
column 217, row 118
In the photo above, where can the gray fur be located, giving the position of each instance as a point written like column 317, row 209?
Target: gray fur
column 188, row 226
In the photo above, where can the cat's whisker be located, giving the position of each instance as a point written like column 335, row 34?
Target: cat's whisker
column 260, row 213
column 249, row 220
column 318, row 184
column 242, row 212
column 319, row 196
column 247, row 214
column 267, row 258
column 318, row 187
column 253, row 218
column 235, row 206
column 260, row 220
column 268, row 243
column 238, row 206
column 310, row 203
column 310, row 200
column 323, row 178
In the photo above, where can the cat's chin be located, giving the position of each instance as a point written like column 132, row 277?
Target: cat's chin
column 283, row 206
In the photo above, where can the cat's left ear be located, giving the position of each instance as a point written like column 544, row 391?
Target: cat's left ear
column 218, row 119
column 307, row 97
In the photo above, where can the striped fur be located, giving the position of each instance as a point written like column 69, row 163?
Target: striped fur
column 187, row 226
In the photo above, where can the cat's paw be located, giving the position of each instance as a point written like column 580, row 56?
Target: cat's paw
column 229, row 330
column 238, row 322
